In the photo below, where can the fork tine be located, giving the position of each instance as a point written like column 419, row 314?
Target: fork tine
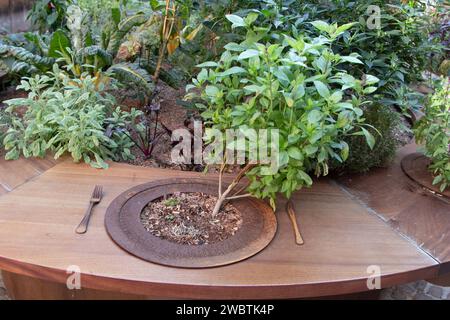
column 97, row 192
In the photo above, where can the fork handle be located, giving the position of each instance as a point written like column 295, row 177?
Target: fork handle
column 83, row 226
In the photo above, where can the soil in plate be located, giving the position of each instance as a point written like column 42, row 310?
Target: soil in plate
column 186, row 218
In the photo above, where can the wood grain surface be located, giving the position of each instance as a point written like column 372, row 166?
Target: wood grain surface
column 415, row 213
column 342, row 239
column 15, row 173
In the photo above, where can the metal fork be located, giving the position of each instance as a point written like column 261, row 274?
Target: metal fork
column 95, row 199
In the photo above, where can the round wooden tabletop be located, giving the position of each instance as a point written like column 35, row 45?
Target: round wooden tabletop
column 347, row 243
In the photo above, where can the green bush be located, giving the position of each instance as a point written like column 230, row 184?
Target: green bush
column 433, row 130
column 397, row 52
column 361, row 157
column 66, row 115
column 294, row 85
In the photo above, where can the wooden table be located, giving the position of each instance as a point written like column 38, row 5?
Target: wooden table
column 343, row 237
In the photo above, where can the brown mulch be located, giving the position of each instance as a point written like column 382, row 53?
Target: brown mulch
column 187, row 218
column 172, row 115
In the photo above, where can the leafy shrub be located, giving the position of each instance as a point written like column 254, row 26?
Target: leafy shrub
column 433, row 130
column 405, row 24
column 5, row 121
column 361, row 157
column 396, row 53
column 293, row 84
column 67, row 115
column 105, row 40
column 48, row 15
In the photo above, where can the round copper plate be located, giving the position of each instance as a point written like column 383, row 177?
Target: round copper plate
column 415, row 166
column 124, row 226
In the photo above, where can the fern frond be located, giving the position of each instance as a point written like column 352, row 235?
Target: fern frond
column 131, row 73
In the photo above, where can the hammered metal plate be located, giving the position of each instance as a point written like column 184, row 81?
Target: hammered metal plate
column 124, row 226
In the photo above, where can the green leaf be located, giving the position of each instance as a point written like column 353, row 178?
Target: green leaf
column 115, row 15
column 13, row 154
column 231, row 71
column 208, row 64
column 310, row 149
column 59, row 44
column 123, row 28
column 128, row 73
column 345, row 150
column 370, row 90
column 235, row 20
column 232, row 46
column 250, row 53
column 305, row 177
column 344, row 27
column 321, row 25
column 351, row 59
column 295, row 153
column 314, row 116
column 438, row 179
column 371, row 79
column 369, row 138
column 266, row 171
column 211, row 91
column 322, row 89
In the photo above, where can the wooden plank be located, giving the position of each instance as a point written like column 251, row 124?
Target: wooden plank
column 3, row 190
column 417, row 214
column 342, row 239
column 17, row 172
column 28, row 288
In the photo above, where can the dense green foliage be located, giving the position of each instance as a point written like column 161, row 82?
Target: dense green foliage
column 67, row 115
column 433, row 130
column 361, row 157
column 292, row 84
column 94, row 39
column 124, row 43
column 48, row 15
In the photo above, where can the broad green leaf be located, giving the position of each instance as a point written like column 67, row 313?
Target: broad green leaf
column 235, row 20
column 231, row 71
column 322, row 89
column 305, row 177
column 371, row 79
column 314, row 116
column 369, row 138
column 211, row 91
column 310, row 149
column 351, row 59
column 370, row 90
column 321, row 25
column 232, row 46
column 344, row 27
column 58, row 44
column 438, row 179
column 295, row 153
column 345, row 150
column 207, row 64
column 248, row 54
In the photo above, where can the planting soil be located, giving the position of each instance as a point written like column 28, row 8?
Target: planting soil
column 187, row 218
